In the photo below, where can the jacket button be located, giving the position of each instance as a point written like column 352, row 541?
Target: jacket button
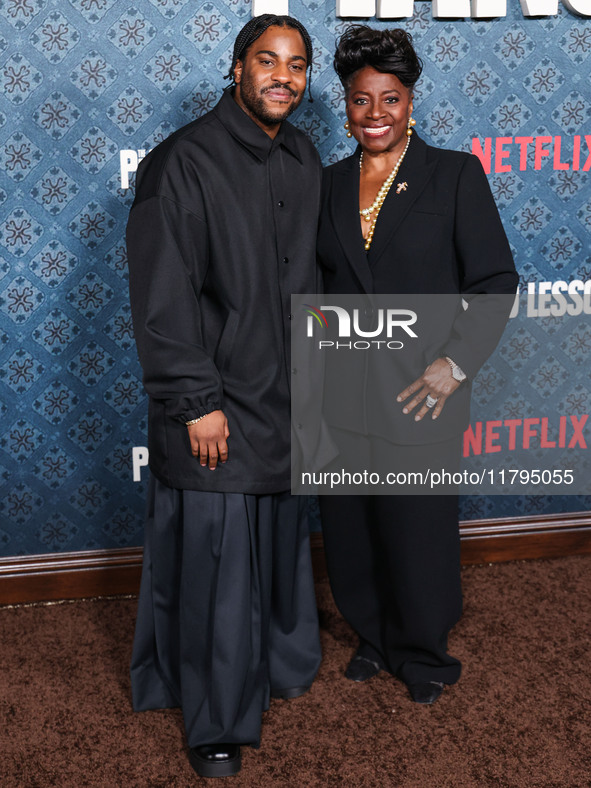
column 286, row 259
column 280, row 203
column 290, row 317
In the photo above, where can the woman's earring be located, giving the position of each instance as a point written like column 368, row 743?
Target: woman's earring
column 411, row 122
column 347, row 127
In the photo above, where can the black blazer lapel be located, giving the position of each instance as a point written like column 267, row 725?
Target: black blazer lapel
column 344, row 213
column 415, row 172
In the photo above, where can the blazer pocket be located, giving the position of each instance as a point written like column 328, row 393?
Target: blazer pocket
column 226, row 341
column 430, row 211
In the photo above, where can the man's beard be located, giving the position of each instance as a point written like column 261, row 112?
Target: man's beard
column 254, row 100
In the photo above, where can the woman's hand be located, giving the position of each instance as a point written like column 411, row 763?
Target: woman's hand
column 436, row 381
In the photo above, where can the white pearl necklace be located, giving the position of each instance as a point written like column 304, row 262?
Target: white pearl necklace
column 375, row 207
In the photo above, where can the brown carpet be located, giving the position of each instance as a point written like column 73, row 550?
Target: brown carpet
column 520, row 717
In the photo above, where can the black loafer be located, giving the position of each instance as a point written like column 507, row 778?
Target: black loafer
column 216, row 760
column 361, row 669
column 425, row 692
column 289, row 692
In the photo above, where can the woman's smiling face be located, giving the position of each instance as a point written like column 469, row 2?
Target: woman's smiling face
column 378, row 108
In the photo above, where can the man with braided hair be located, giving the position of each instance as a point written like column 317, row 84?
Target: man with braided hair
column 221, row 232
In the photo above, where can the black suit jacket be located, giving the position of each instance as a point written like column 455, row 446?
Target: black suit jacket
column 441, row 235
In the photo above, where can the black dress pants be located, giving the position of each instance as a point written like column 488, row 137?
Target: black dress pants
column 394, row 567
column 227, row 610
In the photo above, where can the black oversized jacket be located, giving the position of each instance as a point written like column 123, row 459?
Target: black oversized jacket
column 439, row 234
column 221, row 232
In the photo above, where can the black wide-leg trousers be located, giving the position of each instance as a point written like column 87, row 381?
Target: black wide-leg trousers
column 394, row 560
column 394, row 569
column 227, row 610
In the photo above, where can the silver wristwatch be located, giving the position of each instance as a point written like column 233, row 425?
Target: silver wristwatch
column 456, row 372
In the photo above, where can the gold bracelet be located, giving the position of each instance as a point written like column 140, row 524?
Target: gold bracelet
column 194, row 421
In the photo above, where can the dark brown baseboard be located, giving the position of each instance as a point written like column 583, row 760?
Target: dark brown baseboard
column 93, row 573
column 517, row 538
column 87, row 573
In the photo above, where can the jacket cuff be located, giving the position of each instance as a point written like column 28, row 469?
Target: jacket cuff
column 190, row 407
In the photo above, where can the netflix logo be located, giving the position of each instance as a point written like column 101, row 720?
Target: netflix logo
column 503, row 154
column 490, row 437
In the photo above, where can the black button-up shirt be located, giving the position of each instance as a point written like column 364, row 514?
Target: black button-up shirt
column 222, row 231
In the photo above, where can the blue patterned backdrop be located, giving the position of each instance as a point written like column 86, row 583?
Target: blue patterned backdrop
column 82, row 80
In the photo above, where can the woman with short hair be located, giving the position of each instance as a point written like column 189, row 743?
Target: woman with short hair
column 402, row 217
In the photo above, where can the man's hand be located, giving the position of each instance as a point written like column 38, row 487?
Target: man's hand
column 436, row 381
column 208, row 439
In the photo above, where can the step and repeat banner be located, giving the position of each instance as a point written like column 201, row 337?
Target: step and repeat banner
column 87, row 87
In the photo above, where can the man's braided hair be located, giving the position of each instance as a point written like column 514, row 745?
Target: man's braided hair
column 257, row 26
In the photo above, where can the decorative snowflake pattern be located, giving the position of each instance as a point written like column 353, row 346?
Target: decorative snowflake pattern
column 573, row 112
column 167, row 68
column 548, row 377
column 122, row 526
column 131, row 33
column 561, row 248
column 544, row 80
column 89, row 497
column 207, row 28
column 201, row 100
column 89, row 432
column 533, row 216
column 448, row 48
column 55, row 468
column 55, row 190
column 125, row 394
column 93, row 150
column 20, row 504
column 93, row 75
column 91, row 363
column 21, row 440
column 119, row 328
column 57, row 115
column 18, row 156
column 20, row 299
column 519, row 349
column 55, row 332
column 56, row 532
column 55, row 402
column 92, row 225
column 90, row 296
column 480, row 83
column 52, row 263
column 129, row 111
column 19, row 78
column 513, row 47
column 55, row 37
column 21, row 371
column 93, row 10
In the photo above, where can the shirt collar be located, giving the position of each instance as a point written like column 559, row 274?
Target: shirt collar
column 247, row 133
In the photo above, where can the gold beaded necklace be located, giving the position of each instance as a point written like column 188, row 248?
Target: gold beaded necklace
column 375, row 207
